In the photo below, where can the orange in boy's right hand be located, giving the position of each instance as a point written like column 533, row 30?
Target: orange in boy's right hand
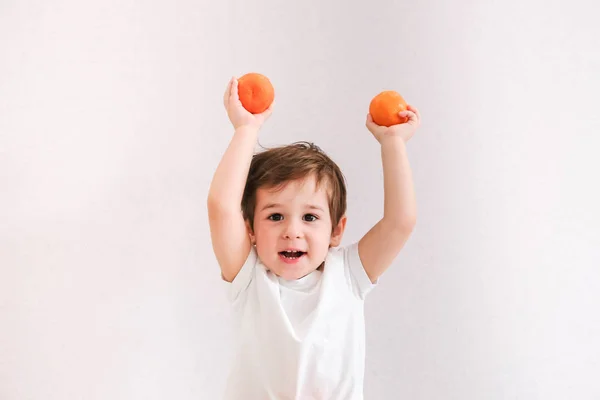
column 256, row 92
column 386, row 106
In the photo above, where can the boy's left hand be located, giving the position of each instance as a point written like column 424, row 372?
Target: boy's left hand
column 405, row 130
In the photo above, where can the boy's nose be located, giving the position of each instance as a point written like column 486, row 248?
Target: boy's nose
column 292, row 231
column 290, row 235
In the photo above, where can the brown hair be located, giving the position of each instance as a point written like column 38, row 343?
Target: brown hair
column 275, row 167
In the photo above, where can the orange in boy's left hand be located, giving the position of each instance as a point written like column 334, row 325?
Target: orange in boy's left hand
column 256, row 92
column 386, row 106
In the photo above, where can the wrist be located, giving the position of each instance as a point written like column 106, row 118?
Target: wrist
column 247, row 129
column 392, row 140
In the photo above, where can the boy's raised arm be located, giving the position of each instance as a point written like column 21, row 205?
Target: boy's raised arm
column 230, row 239
column 380, row 246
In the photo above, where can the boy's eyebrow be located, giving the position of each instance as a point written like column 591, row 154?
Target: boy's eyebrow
column 275, row 205
column 270, row 205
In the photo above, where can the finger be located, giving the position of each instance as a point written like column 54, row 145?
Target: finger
column 267, row 113
column 415, row 110
column 369, row 123
column 373, row 127
column 269, row 109
column 227, row 92
column 403, row 114
column 412, row 117
column 234, row 91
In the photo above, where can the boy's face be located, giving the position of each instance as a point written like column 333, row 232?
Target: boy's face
column 292, row 228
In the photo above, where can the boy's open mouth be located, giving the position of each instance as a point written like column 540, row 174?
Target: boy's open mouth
column 292, row 254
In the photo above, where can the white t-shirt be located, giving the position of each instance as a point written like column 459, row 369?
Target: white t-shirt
column 301, row 339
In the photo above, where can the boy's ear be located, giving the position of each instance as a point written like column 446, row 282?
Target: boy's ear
column 338, row 232
column 250, row 233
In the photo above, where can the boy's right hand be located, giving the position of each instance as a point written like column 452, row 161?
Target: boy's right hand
column 238, row 115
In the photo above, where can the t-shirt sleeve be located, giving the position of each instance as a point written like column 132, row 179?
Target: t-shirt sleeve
column 355, row 272
column 241, row 281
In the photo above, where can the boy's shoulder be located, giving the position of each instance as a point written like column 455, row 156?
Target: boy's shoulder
column 346, row 261
column 342, row 258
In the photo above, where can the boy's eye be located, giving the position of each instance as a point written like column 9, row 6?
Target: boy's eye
column 275, row 217
column 310, row 218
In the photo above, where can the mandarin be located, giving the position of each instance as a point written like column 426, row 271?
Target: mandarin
column 256, row 92
column 384, row 108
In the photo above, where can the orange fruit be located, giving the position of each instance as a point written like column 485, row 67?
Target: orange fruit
column 256, row 92
column 384, row 108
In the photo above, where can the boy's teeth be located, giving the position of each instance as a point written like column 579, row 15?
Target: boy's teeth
column 292, row 254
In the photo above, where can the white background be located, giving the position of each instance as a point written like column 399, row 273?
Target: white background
column 111, row 126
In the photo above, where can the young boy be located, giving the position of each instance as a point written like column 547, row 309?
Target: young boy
column 297, row 297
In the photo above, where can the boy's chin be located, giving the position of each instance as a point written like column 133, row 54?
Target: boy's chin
column 290, row 275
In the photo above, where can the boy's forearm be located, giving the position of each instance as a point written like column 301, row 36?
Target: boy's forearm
column 229, row 180
column 400, row 209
